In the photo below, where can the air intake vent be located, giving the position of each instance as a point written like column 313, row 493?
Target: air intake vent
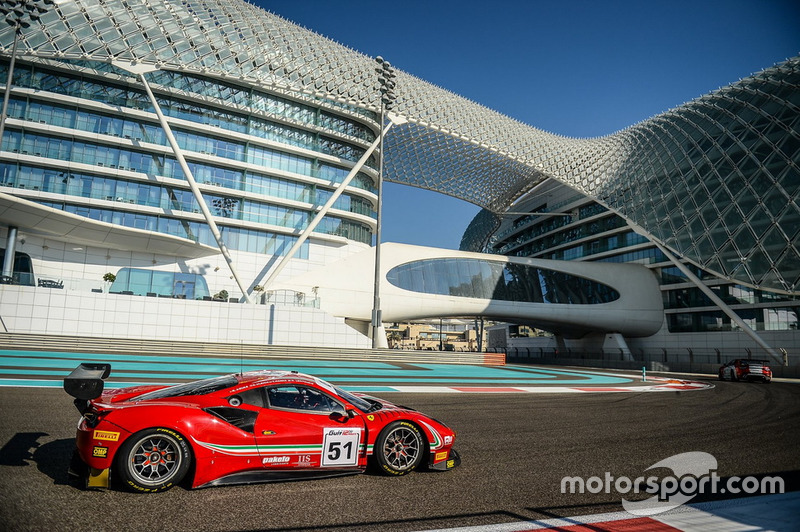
column 243, row 419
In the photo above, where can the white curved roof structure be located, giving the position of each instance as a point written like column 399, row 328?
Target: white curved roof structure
column 717, row 180
column 571, row 299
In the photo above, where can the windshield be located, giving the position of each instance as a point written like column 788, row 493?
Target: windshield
column 201, row 387
column 365, row 405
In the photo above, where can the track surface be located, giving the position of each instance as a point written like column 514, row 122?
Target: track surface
column 516, row 448
column 48, row 368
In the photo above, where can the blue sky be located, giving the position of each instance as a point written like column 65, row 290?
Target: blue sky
column 576, row 68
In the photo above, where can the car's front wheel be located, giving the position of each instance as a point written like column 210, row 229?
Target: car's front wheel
column 399, row 448
column 153, row 460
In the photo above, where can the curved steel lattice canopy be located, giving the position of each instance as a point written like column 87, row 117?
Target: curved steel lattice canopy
column 716, row 180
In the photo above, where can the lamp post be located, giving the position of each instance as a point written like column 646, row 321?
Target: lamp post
column 17, row 14
column 386, row 82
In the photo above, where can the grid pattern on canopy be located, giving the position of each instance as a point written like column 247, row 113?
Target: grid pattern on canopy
column 717, row 180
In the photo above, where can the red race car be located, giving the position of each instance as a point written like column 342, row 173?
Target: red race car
column 743, row 369
column 243, row 428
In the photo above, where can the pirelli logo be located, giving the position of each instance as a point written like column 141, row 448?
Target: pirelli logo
column 106, row 435
column 440, row 456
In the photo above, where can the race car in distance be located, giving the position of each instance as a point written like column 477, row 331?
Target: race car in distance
column 257, row 426
column 746, row 369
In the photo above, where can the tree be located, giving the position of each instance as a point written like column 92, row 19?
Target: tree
column 394, row 338
column 222, row 295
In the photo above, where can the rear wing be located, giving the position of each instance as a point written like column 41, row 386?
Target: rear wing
column 86, row 381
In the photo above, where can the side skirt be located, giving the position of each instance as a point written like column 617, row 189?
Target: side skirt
column 258, row 477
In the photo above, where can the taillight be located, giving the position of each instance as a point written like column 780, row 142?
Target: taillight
column 93, row 417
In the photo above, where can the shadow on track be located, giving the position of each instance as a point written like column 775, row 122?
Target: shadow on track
column 52, row 458
column 17, row 451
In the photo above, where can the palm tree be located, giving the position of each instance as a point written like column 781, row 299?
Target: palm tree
column 394, row 338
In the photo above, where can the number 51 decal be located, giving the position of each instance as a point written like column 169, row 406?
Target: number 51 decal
column 340, row 447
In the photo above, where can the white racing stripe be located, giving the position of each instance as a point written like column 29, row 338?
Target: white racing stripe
column 761, row 513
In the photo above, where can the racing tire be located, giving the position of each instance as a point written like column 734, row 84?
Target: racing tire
column 399, row 448
column 153, row 460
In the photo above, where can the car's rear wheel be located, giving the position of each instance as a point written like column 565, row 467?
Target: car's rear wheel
column 153, row 460
column 399, row 448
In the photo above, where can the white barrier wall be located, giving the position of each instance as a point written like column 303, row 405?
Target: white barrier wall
column 34, row 310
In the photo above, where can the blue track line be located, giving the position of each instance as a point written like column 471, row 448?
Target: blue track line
column 367, row 376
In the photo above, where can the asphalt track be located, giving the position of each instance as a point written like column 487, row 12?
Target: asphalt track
column 516, row 448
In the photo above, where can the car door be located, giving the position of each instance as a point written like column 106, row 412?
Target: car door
column 305, row 428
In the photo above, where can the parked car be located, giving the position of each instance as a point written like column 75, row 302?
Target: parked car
column 746, row 369
column 243, row 428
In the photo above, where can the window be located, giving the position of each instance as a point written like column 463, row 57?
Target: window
column 201, row 387
column 497, row 280
column 22, row 269
column 302, row 398
column 140, row 282
column 254, row 397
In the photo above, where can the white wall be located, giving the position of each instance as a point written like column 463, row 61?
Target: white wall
column 27, row 309
column 82, row 267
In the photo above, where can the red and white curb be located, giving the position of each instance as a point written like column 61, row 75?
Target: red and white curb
column 660, row 385
column 759, row 514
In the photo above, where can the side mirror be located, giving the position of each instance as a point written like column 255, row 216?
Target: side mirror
column 343, row 418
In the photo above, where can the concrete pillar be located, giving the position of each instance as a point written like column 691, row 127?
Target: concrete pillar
column 379, row 342
column 561, row 345
column 615, row 342
column 11, row 247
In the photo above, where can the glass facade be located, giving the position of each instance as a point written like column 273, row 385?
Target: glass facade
column 757, row 308
column 141, row 282
column 237, row 238
column 758, row 319
column 605, row 239
column 175, row 199
column 272, row 117
column 522, row 246
column 498, row 280
column 136, row 145
column 78, row 86
column 716, row 180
